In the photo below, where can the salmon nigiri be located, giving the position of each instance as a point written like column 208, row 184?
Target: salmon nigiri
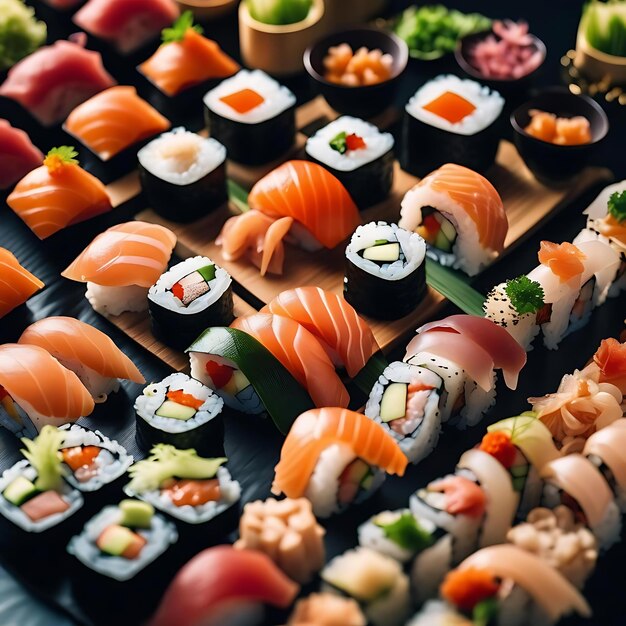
column 18, row 155
column 126, row 24
column 85, row 350
column 121, row 264
column 16, row 283
column 113, row 120
column 300, row 352
column 186, row 58
column 58, row 194
column 34, row 385
column 309, row 203
column 220, row 582
column 346, row 337
column 334, row 457
column 460, row 215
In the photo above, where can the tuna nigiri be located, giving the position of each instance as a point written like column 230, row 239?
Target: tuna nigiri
column 212, row 587
column 55, row 79
column 85, row 350
column 120, row 265
column 322, row 213
column 16, row 283
column 58, row 194
column 126, row 24
column 300, row 353
column 346, row 337
column 186, row 58
column 460, row 215
column 114, row 120
column 335, row 457
column 18, row 155
column 35, row 386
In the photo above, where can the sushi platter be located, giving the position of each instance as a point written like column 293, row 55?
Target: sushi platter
column 311, row 314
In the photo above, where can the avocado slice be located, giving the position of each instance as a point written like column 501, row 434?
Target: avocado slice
column 136, row 514
column 519, row 482
column 175, row 411
column 393, row 403
column 19, row 490
column 442, row 242
column 115, row 540
column 447, row 229
column 207, row 272
column 519, row 471
column 237, row 383
column 386, row 253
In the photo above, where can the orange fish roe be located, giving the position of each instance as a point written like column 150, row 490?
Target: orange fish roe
column 354, row 69
column 451, row 107
column 186, row 399
column 564, row 131
column 564, row 259
column 499, row 446
column 468, row 587
column 243, row 101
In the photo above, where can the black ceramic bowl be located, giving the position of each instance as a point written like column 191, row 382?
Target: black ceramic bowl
column 509, row 88
column 363, row 101
column 551, row 163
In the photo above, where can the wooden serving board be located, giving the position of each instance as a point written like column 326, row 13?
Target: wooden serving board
column 527, row 204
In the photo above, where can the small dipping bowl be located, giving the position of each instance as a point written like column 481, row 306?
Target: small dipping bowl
column 554, row 164
column 362, row 101
column 514, row 90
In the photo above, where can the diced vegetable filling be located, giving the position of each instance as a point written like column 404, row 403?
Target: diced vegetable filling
column 121, row 539
column 344, row 142
column 194, row 285
column 84, row 461
column 356, row 477
column 226, row 378
column 383, row 252
column 403, row 406
column 584, row 302
column 437, row 230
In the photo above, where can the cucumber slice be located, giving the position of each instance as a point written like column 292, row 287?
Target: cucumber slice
column 19, row 490
column 393, row 403
column 283, row 398
column 114, row 540
column 387, row 253
column 448, row 229
column 519, row 471
column 175, row 411
column 136, row 514
column 207, row 272
column 442, row 242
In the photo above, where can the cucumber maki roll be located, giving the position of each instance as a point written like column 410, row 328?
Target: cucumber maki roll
column 193, row 295
column 358, row 155
column 92, row 460
column 405, row 401
column 183, row 175
column 182, row 412
column 191, row 489
column 385, row 271
column 253, row 116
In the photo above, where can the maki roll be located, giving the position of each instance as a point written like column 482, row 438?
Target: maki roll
column 438, row 613
column 92, row 461
column 121, row 553
column 327, row 609
column 335, row 458
column 183, row 175
column 358, row 155
column 405, row 401
column 460, row 215
column 577, row 483
column 182, row 412
column 449, row 115
column 508, row 586
column 385, row 271
column 253, row 116
column 190, row 297
column 375, row 581
column 35, row 498
column 183, row 68
column 198, row 493
column 515, row 305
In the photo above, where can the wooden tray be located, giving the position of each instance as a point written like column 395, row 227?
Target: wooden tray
column 527, row 203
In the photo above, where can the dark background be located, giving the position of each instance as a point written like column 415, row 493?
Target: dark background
column 254, row 446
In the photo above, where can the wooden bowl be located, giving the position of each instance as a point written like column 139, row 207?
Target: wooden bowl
column 598, row 66
column 208, row 9
column 278, row 50
column 340, row 13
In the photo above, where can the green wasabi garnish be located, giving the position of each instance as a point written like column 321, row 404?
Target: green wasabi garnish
column 165, row 462
column 177, row 31
column 43, row 454
column 617, row 205
column 485, row 612
column 604, row 26
column 279, row 12
column 406, row 532
column 339, row 142
column 526, row 295
column 20, row 32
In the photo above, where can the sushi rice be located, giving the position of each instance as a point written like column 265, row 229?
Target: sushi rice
column 377, row 144
column 276, row 98
column 111, row 300
column 488, row 103
column 163, row 161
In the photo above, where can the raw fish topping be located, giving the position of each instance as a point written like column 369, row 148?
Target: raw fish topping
column 243, row 101
column 451, row 106
column 564, row 259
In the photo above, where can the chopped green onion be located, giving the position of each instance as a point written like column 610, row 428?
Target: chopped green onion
column 339, row 142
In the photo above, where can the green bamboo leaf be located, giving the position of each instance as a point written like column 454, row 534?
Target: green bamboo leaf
column 455, row 287
column 237, row 195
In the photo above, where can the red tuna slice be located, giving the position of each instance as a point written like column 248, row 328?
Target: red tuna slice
column 18, row 155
